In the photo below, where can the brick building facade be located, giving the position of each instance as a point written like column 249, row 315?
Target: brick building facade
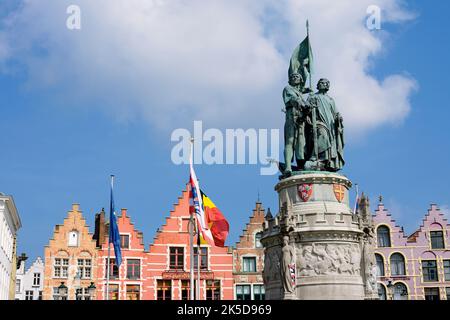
column 168, row 261
column 125, row 282
column 70, row 259
column 248, row 259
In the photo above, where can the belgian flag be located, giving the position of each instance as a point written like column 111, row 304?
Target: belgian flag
column 216, row 221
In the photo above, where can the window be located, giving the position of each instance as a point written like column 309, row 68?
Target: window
column 164, row 290
column 432, row 294
column 28, row 295
column 185, row 290
column 124, row 241
column 17, row 285
column 400, row 292
column 133, row 268
column 437, row 240
column 82, row 294
column 381, row 292
column 429, row 269
column 84, row 268
column 61, row 268
column 243, row 292
column 36, row 279
column 73, row 239
column 133, row 292
column 447, row 270
column 113, row 268
column 249, row 264
column 212, row 289
column 176, row 258
column 258, row 237
column 259, row 292
column 40, row 295
column 380, row 265
column 203, row 258
column 383, row 236
column 397, row 265
column 447, row 293
column 113, row 292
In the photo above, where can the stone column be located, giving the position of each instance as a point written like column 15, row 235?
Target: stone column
column 315, row 214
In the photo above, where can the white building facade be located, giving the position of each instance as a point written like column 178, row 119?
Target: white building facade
column 30, row 283
column 9, row 224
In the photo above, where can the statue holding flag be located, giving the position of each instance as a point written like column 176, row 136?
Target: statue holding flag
column 314, row 201
column 313, row 130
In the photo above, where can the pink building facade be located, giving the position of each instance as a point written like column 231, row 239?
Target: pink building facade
column 414, row 267
column 168, row 262
column 162, row 272
column 126, row 282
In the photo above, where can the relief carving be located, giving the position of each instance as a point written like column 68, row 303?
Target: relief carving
column 271, row 270
column 329, row 259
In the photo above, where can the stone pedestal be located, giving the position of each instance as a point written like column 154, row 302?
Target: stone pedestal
column 326, row 236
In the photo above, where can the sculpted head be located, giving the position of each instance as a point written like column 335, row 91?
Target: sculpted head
column 296, row 79
column 285, row 240
column 323, row 85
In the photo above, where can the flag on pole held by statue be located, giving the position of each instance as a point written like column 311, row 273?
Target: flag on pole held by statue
column 302, row 58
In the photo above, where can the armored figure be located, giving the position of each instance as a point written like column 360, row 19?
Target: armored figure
column 294, row 126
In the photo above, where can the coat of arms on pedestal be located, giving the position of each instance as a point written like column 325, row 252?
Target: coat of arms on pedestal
column 339, row 192
column 305, row 191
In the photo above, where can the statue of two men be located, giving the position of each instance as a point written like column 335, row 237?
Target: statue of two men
column 313, row 131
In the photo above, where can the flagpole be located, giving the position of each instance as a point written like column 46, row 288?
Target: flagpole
column 109, row 249
column 191, row 253
column 191, row 235
column 198, row 264
column 309, row 62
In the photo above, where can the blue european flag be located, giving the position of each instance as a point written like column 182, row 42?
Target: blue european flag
column 114, row 235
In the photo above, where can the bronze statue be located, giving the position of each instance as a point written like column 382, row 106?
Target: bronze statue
column 327, row 129
column 313, row 130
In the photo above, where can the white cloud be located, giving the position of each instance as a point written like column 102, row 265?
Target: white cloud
column 220, row 61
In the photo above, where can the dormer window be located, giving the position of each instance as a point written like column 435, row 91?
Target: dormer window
column 73, row 239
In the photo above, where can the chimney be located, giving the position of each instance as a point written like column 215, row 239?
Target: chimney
column 21, row 262
column 100, row 229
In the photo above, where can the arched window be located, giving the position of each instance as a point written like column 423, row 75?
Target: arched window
column 400, row 292
column 397, row 265
column 383, row 235
column 381, row 292
column 380, row 265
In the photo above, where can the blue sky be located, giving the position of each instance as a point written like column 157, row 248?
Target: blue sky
column 62, row 136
